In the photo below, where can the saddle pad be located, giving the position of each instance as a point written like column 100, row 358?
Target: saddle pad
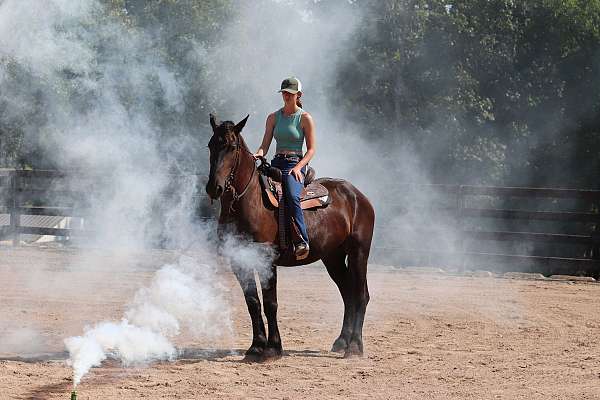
column 312, row 196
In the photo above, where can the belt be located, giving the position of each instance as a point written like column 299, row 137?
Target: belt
column 286, row 155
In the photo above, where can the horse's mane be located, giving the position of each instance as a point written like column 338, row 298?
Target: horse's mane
column 228, row 125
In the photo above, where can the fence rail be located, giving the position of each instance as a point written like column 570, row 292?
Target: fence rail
column 55, row 198
column 461, row 213
column 47, row 193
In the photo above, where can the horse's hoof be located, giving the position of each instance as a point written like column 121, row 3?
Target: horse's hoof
column 354, row 350
column 339, row 346
column 272, row 353
column 254, row 354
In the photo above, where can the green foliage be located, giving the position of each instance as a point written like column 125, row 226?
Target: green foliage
column 170, row 29
column 178, row 29
column 491, row 91
column 510, row 88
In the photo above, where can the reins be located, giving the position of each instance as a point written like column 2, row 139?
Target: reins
column 229, row 180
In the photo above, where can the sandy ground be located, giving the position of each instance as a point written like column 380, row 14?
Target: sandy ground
column 427, row 336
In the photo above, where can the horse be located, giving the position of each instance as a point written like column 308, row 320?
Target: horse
column 342, row 230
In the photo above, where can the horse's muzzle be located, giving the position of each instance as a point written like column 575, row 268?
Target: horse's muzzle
column 214, row 191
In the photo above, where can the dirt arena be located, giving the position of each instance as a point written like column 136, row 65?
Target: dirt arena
column 427, row 336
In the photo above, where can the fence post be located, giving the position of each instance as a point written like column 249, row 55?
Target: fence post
column 15, row 216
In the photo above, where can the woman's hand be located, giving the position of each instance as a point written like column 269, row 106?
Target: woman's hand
column 297, row 173
column 258, row 154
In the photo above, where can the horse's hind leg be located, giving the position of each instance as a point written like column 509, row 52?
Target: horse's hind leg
column 259, row 340
column 269, row 292
column 336, row 267
column 357, row 266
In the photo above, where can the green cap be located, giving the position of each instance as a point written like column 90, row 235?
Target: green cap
column 291, row 85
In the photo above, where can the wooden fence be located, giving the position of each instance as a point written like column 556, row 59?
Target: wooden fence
column 408, row 231
column 573, row 242
column 58, row 193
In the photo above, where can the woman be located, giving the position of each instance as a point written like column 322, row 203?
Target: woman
column 291, row 126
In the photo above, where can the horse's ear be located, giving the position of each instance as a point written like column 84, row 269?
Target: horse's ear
column 238, row 128
column 213, row 121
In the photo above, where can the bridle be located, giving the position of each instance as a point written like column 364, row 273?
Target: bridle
column 229, row 180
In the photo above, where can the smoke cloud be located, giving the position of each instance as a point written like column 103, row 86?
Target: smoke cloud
column 96, row 83
column 186, row 295
column 248, row 256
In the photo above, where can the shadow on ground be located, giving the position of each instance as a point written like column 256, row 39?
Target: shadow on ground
column 187, row 355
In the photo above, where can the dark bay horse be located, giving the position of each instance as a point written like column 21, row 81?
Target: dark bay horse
column 341, row 231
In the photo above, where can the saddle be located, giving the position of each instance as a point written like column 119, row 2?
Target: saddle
column 314, row 195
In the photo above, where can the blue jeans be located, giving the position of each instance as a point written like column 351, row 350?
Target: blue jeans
column 291, row 191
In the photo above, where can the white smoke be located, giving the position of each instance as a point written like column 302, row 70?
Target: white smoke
column 248, row 256
column 186, row 295
column 98, row 82
column 131, row 344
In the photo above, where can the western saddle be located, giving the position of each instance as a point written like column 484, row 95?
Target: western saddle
column 314, row 195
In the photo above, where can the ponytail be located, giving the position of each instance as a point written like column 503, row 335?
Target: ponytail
column 298, row 102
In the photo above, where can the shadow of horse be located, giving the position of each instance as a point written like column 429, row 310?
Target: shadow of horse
column 192, row 355
column 186, row 355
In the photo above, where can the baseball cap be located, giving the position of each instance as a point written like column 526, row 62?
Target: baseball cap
column 291, row 85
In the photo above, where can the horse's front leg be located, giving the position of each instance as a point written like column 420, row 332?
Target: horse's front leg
column 259, row 337
column 269, row 292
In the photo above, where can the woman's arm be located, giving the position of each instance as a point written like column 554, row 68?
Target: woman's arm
column 308, row 126
column 267, row 138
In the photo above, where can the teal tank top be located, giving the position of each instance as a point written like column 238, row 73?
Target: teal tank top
column 287, row 132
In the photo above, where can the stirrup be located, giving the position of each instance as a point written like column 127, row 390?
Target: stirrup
column 301, row 250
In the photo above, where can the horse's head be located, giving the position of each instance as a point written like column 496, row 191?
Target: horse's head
column 223, row 146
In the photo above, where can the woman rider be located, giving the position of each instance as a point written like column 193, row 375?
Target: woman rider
column 290, row 126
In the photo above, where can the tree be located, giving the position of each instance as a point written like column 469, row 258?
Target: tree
column 487, row 91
